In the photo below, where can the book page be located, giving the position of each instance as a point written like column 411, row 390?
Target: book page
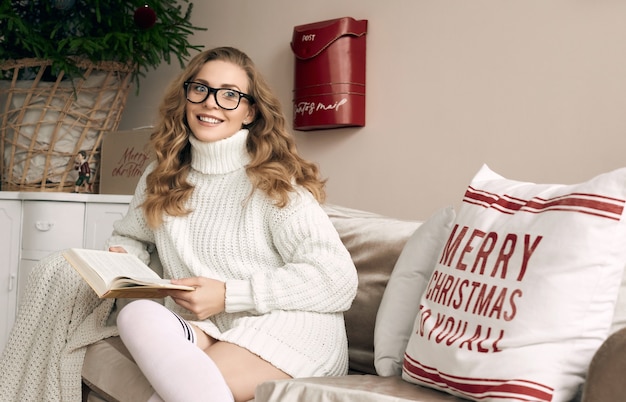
column 110, row 265
column 122, row 282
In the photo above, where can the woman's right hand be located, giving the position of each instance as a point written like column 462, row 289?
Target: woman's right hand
column 117, row 249
column 208, row 298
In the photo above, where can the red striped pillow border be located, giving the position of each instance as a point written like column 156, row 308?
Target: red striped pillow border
column 592, row 204
column 477, row 388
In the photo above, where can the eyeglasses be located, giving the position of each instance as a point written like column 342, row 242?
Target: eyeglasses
column 225, row 98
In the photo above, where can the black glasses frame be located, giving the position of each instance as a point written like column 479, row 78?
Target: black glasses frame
column 211, row 90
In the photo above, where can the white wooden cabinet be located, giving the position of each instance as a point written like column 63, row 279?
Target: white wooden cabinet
column 99, row 218
column 10, row 213
column 34, row 225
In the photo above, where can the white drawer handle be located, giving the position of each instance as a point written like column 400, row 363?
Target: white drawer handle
column 43, row 226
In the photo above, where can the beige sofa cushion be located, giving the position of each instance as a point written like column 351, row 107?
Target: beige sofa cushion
column 111, row 372
column 351, row 388
column 374, row 242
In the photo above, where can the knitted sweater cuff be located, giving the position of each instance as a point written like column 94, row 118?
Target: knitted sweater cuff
column 239, row 296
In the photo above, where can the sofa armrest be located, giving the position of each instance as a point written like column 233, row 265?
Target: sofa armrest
column 605, row 380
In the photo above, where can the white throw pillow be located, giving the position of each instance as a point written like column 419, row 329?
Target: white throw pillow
column 619, row 316
column 524, row 291
column 406, row 284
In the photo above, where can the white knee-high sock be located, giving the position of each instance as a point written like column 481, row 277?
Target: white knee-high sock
column 163, row 345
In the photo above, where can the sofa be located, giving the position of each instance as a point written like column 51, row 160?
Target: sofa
column 375, row 242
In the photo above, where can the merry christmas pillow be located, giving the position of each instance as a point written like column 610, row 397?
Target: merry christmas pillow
column 524, row 290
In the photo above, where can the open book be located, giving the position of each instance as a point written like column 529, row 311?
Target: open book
column 118, row 274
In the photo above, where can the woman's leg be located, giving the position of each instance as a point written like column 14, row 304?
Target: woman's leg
column 164, row 347
column 230, row 359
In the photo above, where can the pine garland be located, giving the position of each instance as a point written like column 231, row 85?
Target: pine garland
column 64, row 31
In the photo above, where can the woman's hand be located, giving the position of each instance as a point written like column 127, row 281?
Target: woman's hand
column 117, row 249
column 207, row 300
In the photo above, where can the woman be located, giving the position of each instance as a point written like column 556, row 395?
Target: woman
column 233, row 212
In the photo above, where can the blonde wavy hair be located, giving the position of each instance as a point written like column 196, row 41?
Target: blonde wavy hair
column 275, row 164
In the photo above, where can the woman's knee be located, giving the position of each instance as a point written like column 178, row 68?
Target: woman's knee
column 136, row 313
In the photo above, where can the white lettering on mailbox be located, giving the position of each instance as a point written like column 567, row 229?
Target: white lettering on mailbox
column 308, row 38
column 312, row 107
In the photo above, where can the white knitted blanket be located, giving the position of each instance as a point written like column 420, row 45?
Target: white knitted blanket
column 59, row 316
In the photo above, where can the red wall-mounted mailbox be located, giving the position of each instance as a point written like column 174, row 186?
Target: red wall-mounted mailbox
column 329, row 85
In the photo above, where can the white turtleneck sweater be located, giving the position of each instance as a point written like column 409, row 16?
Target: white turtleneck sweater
column 288, row 276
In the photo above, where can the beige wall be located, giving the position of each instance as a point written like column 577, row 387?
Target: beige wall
column 534, row 88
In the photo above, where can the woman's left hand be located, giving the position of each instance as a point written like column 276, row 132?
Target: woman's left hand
column 206, row 300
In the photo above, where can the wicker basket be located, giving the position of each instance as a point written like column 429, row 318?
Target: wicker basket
column 44, row 124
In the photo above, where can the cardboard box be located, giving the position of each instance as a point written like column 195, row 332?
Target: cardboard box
column 124, row 157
